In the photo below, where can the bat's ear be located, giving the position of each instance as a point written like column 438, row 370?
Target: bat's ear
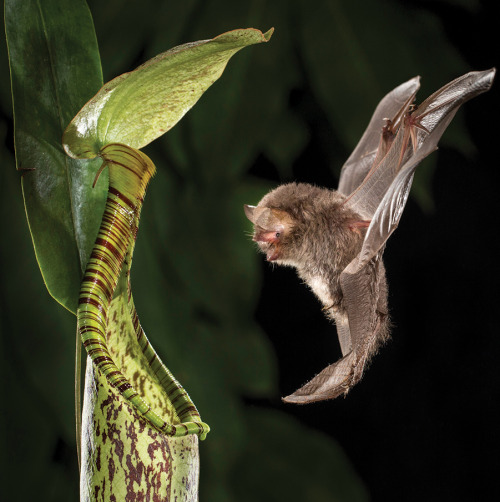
column 268, row 218
column 249, row 212
column 262, row 216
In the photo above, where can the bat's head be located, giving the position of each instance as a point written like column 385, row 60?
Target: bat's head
column 272, row 228
column 304, row 226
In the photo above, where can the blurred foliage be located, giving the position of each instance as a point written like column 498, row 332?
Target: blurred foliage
column 196, row 277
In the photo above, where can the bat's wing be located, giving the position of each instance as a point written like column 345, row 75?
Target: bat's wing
column 361, row 160
column 363, row 280
column 340, row 376
column 432, row 118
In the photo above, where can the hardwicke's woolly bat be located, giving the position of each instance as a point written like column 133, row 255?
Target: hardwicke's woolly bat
column 335, row 239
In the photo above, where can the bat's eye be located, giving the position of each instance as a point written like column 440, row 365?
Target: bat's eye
column 277, row 235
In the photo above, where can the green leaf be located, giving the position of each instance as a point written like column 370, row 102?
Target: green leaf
column 251, row 110
column 55, row 67
column 138, row 107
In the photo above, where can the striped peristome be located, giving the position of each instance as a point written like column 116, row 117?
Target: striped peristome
column 129, row 173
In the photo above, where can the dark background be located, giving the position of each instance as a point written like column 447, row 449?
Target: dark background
column 423, row 423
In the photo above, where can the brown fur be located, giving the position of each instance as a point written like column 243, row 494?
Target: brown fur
column 322, row 240
column 311, row 229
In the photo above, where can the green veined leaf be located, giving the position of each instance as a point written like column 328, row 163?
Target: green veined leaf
column 138, row 107
column 55, row 67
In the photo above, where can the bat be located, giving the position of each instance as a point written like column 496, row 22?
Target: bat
column 335, row 239
column 129, row 173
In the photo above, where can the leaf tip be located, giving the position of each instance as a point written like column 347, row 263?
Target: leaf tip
column 268, row 34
